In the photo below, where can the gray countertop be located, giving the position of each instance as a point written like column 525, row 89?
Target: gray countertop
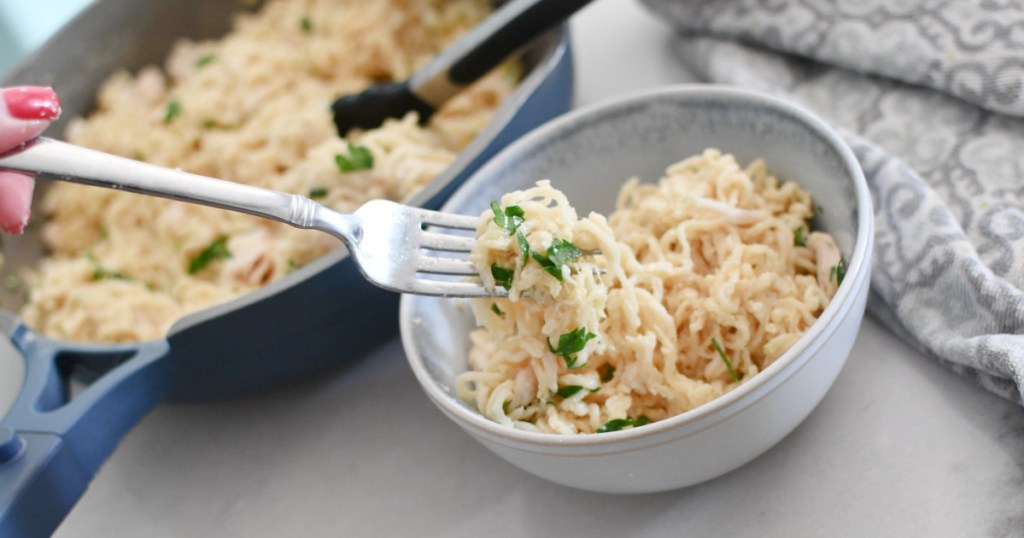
column 899, row 447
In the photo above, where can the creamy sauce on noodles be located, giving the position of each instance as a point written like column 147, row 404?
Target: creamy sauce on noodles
column 702, row 281
column 251, row 107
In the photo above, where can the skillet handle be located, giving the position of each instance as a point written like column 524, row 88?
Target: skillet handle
column 51, row 445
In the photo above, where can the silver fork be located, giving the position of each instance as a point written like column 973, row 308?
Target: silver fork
column 390, row 242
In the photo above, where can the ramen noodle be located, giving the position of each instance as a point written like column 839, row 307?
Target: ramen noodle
column 252, row 107
column 691, row 287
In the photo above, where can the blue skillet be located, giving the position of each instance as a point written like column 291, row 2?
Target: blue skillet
column 316, row 319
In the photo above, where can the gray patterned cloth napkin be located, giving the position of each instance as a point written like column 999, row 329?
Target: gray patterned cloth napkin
column 930, row 95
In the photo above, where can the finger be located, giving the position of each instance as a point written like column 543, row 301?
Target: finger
column 26, row 111
column 15, row 201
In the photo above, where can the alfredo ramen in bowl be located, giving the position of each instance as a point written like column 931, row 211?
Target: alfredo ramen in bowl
column 678, row 337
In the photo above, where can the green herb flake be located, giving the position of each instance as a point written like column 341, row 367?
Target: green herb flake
column 359, row 158
column 569, row 391
column 173, row 111
column 509, row 218
column 496, row 309
column 217, row 250
column 205, row 60
column 558, row 255
column 306, row 24
column 799, row 240
column 523, row 246
column 838, row 272
column 571, row 343
column 502, row 276
column 725, row 359
column 608, row 374
column 99, row 273
column 317, row 192
column 617, row 424
column 209, row 123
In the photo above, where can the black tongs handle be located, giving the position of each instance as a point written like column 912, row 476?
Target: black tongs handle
column 513, row 25
column 510, row 27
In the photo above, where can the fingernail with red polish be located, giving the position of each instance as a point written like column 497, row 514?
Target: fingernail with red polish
column 32, row 103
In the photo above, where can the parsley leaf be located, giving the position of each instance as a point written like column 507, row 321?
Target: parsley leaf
column 617, row 424
column 559, row 253
column 205, row 60
column 838, row 272
column 725, row 359
column 523, row 246
column 496, row 309
column 569, row 390
column 306, row 24
column 799, row 240
column 609, row 373
column 359, row 158
column 571, row 343
column 217, row 250
column 317, row 192
column 173, row 111
column 509, row 218
column 502, row 276
column 99, row 273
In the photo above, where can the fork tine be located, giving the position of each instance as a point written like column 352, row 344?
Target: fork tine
column 446, row 288
column 451, row 243
column 448, row 220
column 444, row 266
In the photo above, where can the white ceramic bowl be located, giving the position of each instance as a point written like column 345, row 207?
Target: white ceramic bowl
column 589, row 154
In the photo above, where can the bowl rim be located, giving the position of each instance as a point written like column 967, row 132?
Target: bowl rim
column 858, row 270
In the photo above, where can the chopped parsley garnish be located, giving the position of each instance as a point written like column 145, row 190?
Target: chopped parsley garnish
column 359, row 158
column 502, row 276
column 838, row 272
column 306, row 24
column 559, row 253
column 617, row 424
column 799, row 240
column 99, row 273
column 205, row 60
column 608, row 374
column 725, row 359
column 571, row 343
column 496, row 309
column 523, row 246
column 173, row 111
column 509, row 218
column 217, row 250
column 569, row 390
column 317, row 192
column 209, row 123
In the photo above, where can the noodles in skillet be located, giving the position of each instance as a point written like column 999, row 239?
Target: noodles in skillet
column 701, row 281
column 252, row 107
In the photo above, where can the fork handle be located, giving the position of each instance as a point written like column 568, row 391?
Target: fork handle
column 53, row 159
